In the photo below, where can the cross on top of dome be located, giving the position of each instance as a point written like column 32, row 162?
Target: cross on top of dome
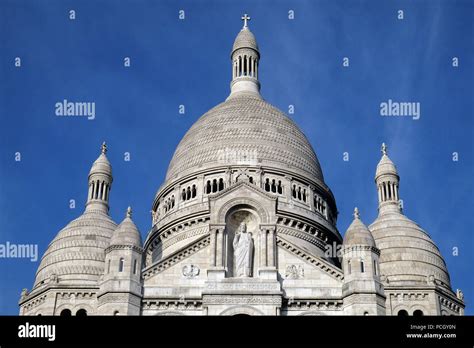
column 104, row 148
column 245, row 18
column 384, row 149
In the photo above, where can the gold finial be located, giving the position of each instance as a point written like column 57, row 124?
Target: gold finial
column 356, row 213
column 245, row 18
column 104, row 148
column 129, row 212
column 384, row 149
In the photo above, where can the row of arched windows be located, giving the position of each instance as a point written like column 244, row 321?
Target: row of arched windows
column 213, row 186
column 99, row 190
column 245, row 66
column 299, row 193
column 319, row 204
column 188, row 193
column 169, row 203
column 388, row 191
column 273, row 186
column 416, row 313
column 67, row 313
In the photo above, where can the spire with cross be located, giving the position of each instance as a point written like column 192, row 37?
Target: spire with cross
column 245, row 18
column 384, row 149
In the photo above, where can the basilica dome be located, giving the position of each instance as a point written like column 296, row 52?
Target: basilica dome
column 77, row 253
column 245, row 129
column 407, row 254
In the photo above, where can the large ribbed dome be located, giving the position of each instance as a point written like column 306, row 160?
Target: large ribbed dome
column 408, row 255
column 77, row 254
column 244, row 124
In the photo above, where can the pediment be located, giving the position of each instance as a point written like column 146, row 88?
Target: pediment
column 244, row 194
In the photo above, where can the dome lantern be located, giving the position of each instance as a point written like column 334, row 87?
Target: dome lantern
column 100, row 182
column 245, row 59
column 387, row 181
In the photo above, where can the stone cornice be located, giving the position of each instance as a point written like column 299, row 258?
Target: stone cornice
column 176, row 257
column 325, row 266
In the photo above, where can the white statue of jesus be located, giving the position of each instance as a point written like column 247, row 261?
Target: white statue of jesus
column 243, row 252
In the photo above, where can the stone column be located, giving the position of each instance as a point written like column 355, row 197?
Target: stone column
column 263, row 247
column 217, row 264
column 219, row 247
column 267, row 269
column 212, row 262
column 271, row 247
column 311, row 197
column 200, row 185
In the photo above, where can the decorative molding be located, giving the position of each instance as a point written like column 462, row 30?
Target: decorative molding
column 294, row 272
column 329, row 269
column 241, row 299
column 190, row 271
column 178, row 256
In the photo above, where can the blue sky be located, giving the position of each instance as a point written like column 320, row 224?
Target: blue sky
column 187, row 62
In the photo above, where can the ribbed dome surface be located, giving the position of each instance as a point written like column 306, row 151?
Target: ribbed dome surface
column 244, row 125
column 76, row 255
column 385, row 166
column 101, row 165
column 126, row 234
column 408, row 255
column 358, row 234
column 245, row 39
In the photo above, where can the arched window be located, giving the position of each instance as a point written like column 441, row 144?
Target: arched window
column 183, row 195
column 418, row 313
column 362, row 268
column 208, row 186
column 172, row 201
column 366, row 313
column 294, row 191
column 65, row 313
column 116, row 312
column 240, row 66
column 402, row 313
column 81, row 313
column 274, row 186
column 280, row 189
column 108, row 267
column 245, row 65
column 349, row 268
column 188, row 193
column 193, row 191
column 251, row 180
column 304, row 195
column 221, row 184
column 214, row 185
column 299, row 193
column 267, row 185
column 121, row 264
column 375, row 267
column 134, row 266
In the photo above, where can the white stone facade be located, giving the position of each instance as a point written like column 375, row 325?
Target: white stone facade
column 244, row 161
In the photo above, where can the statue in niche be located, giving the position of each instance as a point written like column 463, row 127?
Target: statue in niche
column 243, row 252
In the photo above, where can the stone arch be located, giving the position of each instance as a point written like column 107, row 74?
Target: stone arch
column 400, row 307
column 245, row 310
column 418, row 307
column 62, row 307
column 248, row 202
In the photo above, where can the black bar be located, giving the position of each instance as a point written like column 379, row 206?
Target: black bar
column 171, row 330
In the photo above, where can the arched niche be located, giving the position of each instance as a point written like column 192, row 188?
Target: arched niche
column 238, row 214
